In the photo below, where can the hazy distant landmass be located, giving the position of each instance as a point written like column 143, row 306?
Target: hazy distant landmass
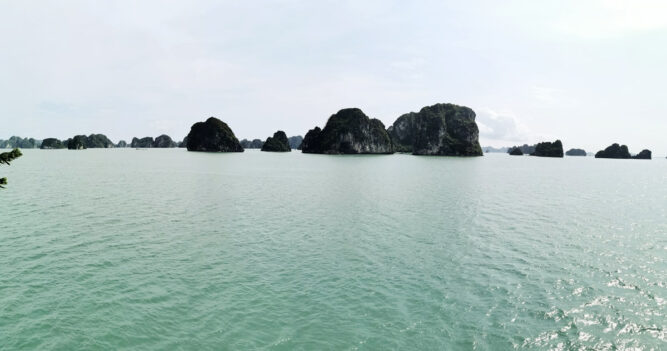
column 491, row 149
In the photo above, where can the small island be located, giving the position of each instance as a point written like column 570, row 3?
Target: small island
column 213, row 135
column 440, row 129
column 52, row 143
column 548, row 149
column 277, row 143
column 515, row 151
column 349, row 131
column 576, row 152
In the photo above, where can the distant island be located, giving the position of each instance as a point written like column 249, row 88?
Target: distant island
column 621, row 152
column 277, row 143
column 576, row 152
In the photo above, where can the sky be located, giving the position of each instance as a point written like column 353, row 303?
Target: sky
column 587, row 72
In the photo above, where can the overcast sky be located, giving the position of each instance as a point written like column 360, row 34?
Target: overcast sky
column 590, row 72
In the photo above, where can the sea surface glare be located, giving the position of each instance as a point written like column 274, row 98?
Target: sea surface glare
column 176, row 250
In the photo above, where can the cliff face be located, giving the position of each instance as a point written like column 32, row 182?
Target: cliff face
column 441, row 129
column 277, row 143
column 213, row 135
column 52, row 143
column 576, row 152
column 164, row 141
column 549, row 149
column 614, row 151
column 349, row 131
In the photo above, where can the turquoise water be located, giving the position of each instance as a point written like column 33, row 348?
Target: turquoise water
column 166, row 249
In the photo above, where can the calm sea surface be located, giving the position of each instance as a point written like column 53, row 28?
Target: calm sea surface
column 168, row 249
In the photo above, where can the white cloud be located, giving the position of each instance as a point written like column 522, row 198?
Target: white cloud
column 502, row 127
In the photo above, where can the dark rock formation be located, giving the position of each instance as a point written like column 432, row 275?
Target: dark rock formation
column 164, row 141
column 516, row 151
column 525, row 148
column 644, row 155
column 254, row 144
column 575, row 152
column 101, row 141
column 183, row 143
column 295, row 142
column 213, row 135
column 614, row 151
column 349, row 131
column 277, row 143
column 146, row 142
column 441, row 129
column 52, row 143
column 78, row 142
column 549, row 149
column 122, row 143
column 311, row 142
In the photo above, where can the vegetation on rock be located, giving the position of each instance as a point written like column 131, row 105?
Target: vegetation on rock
column 6, row 158
column 254, row 144
column 52, row 143
column 440, row 129
column 213, row 135
column 146, row 142
column 643, row 155
column 548, row 149
column 164, row 141
column 18, row 142
column 349, row 131
column 575, row 152
column 516, row 151
column 277, row 143
column 614, row 151
column 78, row 142
column 122, row 143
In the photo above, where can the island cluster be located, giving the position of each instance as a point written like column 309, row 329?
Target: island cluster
column 439, row 130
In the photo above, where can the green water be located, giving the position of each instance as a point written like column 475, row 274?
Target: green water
column 166, row 249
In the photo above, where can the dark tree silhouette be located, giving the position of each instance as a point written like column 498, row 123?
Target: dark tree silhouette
column 6, row 158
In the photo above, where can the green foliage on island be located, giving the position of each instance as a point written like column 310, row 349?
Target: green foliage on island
column 525, row 149
column 576, row 152
column 18, row 142
column 548, row 149
column 277, row 143
column 122, row 143
column 78, row 142
column 213, row 135
column 643, row 155
column 440, row 129
column 52, row 143
column 349, row 131
column 164, row 141
column 516, row 151
column 6, row 158
column 614, row 151
column 146, row 142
